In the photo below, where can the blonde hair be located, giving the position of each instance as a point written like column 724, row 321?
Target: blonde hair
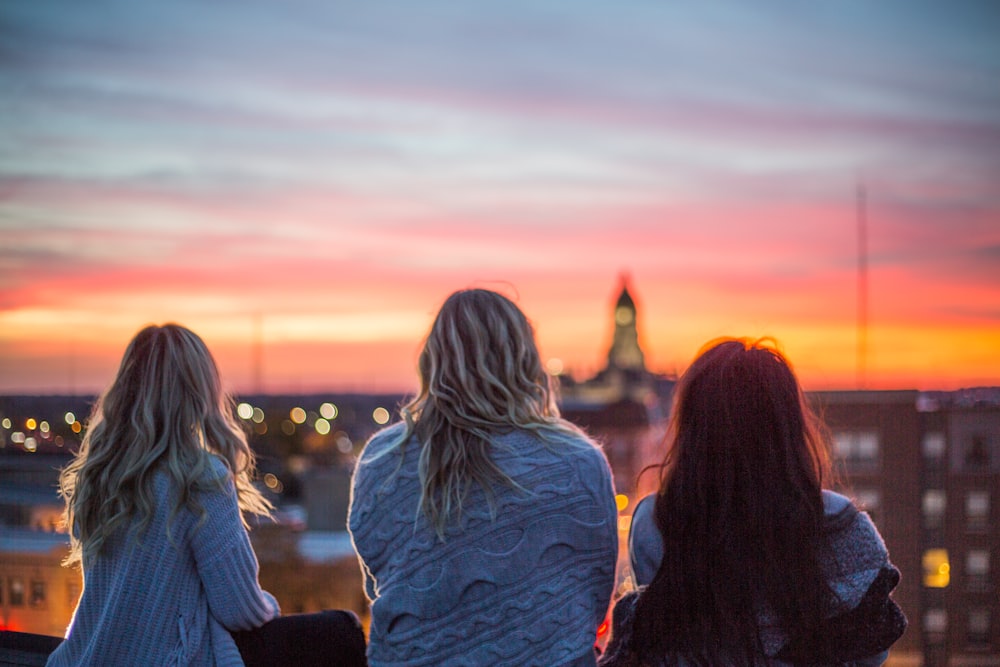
column 164, row 411
column 480, row 373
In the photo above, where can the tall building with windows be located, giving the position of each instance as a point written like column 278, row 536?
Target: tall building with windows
column 926, row 466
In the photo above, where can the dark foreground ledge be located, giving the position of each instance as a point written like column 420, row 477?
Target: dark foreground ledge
column 23, row 649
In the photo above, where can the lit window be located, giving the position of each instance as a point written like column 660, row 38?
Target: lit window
column 977, row 569
column 16, row 592
column 937, row 569
column 979, row 626
column 934, row 504
column 977, row 509
column 933, row 445
column 856, row 447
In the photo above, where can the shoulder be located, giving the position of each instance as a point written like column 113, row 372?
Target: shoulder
column 374, row 461
column 573, row 443
column 380, row 444
column 382, row 441
column 835, row 504
column 855, row 540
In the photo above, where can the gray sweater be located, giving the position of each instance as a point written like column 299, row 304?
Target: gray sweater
column 857, row 564
column 528, row 587
column 163, row 602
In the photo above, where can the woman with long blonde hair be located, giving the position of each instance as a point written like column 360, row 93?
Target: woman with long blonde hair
column 485, row 524
column 155, row 505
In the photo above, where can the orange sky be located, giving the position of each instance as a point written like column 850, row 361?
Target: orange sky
column 233, row 174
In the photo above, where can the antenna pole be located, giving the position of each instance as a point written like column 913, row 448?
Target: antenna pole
column 862, row 351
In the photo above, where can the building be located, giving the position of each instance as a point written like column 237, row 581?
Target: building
column 624, row 406
column 927, row 468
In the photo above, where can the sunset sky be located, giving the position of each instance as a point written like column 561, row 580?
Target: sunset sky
column 317, row 176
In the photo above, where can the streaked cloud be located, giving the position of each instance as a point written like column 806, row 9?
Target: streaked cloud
column 338, row 168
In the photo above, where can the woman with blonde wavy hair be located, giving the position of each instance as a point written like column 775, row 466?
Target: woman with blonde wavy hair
column 155, row 504
column 484, row 523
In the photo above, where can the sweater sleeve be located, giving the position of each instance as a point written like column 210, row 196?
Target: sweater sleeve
column 227, row 565
column 645, row 545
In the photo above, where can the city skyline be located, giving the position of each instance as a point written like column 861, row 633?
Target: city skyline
column 304, row 184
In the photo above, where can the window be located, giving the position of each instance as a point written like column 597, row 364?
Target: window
column 979, row 627
column 935, row 624
column 977, row 569
column 934, row 504
column 37, row 593
column 937, row 569
column 977, row 454
column 977, row 510
column 16, row 592
column 933, row 445
column 856, row 447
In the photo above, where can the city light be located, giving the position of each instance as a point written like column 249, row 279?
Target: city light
column 258, row 416
column 621, row 500
column 244, row 410
column 297, row 415
column 344, row 444
column 937, row 569
column 328, row 411
column 30, row 424
column 322, row 426
column 70, row 418
column 6, row 422
column 380, row 415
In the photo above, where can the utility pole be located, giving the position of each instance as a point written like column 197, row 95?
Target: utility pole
column 257, row 352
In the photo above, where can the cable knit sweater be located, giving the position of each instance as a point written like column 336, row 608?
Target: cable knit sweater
column 528, row 587
column 860, row 627
column 163, row 602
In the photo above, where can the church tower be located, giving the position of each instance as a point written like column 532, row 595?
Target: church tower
column 625, row 353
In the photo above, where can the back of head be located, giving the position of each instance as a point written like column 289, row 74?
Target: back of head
column 480, row 365
column 740, row 506
column 165, row 410
column 480, row 372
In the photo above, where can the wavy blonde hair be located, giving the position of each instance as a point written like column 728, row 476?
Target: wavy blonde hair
column 480, row 374
column 165, row 411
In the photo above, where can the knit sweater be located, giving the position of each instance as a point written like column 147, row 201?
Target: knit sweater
column 528, row 586
column 163, row 601
column 861, row 625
